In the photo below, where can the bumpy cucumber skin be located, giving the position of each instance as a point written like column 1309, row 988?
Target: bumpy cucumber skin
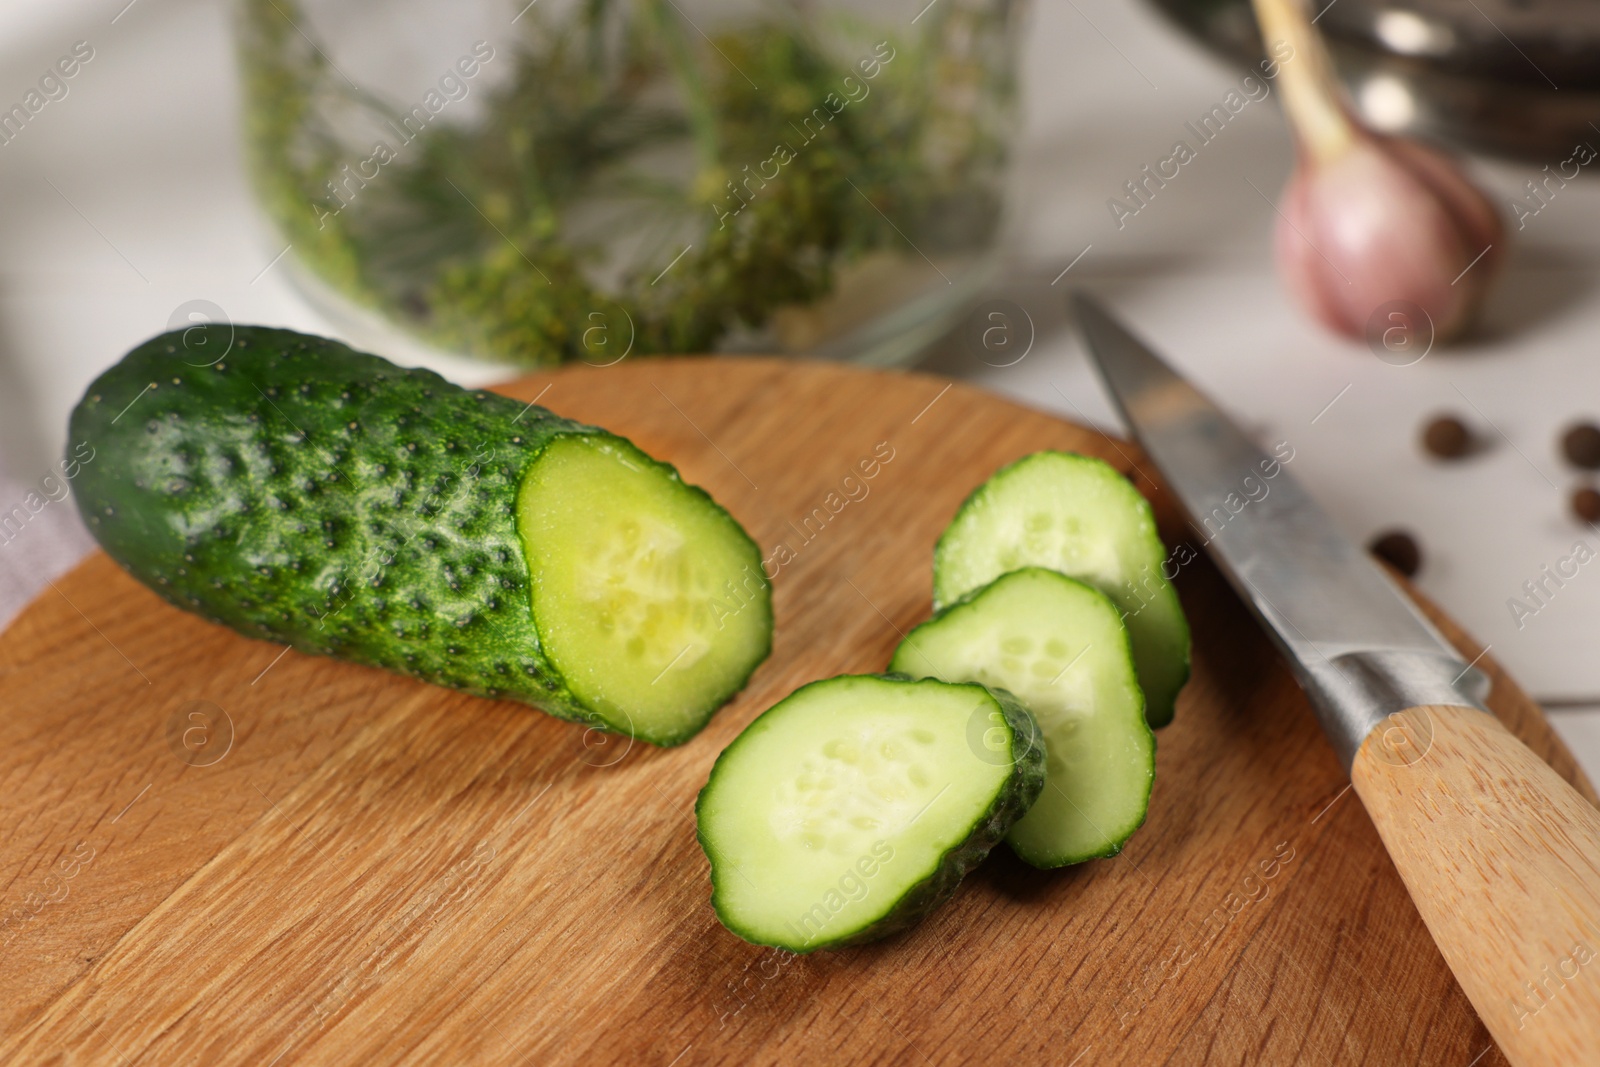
column 1159, row 705
column 304, row 493
column 1042, row 860
column 1011, row 803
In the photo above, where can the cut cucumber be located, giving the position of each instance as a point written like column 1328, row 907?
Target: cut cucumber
column 853, row 807
column 1061, row 648
column 308, row 494
column 630, row 573
column 1075, row 515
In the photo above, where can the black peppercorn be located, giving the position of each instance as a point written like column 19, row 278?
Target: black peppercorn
column 1447, row 437
column 1581, row 445
column 1398, row 549
column 1586, row 504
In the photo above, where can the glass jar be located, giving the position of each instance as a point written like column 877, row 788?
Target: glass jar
column 585, row 179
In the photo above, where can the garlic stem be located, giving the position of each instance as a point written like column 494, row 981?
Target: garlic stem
column 1311, row 90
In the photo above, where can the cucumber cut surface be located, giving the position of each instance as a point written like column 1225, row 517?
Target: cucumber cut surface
column 1061, row 648
column 1078, row 516
column 854, row 806
column 307, row 494
column 631, row 589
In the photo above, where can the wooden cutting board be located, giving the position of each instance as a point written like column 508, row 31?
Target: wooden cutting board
column 215, row 852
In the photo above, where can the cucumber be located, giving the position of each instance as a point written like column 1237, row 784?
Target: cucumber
column 853, row 807
column 1060, row 646
column 1075, row 515
column 304, row 493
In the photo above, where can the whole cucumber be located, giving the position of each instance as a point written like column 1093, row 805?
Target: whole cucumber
column 301, row 492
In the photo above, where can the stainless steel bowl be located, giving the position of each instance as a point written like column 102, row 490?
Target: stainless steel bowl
column 1514, row 78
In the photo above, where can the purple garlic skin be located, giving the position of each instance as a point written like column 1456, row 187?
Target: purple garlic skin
column 1384, row 220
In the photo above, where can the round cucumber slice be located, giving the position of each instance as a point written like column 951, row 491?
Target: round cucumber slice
column 1079, row 516
column 632, row 598
column 853, row 807
column 1061, row 648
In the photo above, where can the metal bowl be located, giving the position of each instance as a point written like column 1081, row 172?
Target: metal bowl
column 1513, row 78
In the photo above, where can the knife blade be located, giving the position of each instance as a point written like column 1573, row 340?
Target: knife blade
column 1355, row 642
column 1500, row 854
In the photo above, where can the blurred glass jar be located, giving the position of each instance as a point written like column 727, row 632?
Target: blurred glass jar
column 583, row 179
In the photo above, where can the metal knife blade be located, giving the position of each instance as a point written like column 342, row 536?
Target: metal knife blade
column 1358, row 646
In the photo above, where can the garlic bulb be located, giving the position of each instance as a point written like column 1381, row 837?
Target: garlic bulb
column 1368, row 220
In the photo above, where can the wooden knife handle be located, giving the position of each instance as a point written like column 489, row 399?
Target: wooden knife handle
column 1502, row 858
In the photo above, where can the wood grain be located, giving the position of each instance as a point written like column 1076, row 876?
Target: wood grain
column 381, row 871
column 1503, row 859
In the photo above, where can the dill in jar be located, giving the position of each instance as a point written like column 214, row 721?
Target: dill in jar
column 619, row 167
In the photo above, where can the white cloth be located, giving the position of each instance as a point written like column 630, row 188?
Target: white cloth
column 36, row 547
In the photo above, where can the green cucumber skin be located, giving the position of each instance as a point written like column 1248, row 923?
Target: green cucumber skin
column 305, row 493
column 1010, row 804
column 1160, row 705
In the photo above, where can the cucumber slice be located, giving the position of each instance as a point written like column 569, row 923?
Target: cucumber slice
column 1075, row 515
column 308, row 494
column 630, row 573
column 853, row 807
column 1061, row 648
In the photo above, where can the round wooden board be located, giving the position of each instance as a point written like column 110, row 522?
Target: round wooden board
column 358, row 868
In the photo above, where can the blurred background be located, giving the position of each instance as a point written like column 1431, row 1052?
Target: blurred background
column 483, row 187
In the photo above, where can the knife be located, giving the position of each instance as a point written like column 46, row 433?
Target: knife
column 1499, row 853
